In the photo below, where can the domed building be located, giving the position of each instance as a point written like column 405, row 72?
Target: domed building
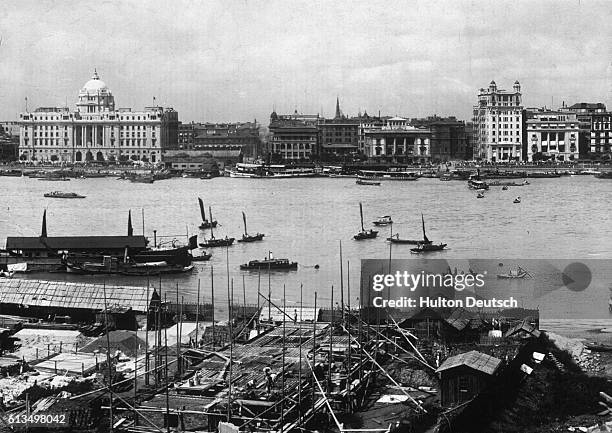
column 97, row 131
column 95, row 96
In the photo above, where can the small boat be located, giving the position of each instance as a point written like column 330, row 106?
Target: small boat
column 607, row 175
column 247, row 237
column 517, row 200
column 205, row 223
column 426, row 248
column 383, row 221
column 518, row 273
column 364, row 234
column 599, row 347
column 204, row 257
column 367, row 182
column 505, row 188
column 60, row 194
column 397, row 240
column 269, row 263
column 480, row 195
column 142, row 179
column 214, row 242
column 54, row 179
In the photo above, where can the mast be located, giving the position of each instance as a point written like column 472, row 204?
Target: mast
column 202, row 211
column 361, row 213
column 245, row 227
column 423, row 222
column 212, row 294
column 108, row 360
column 197, row 316
column 43, row 232
column 130, row 229
column 212, row 236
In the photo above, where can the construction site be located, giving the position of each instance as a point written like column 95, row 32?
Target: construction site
column 278, row 368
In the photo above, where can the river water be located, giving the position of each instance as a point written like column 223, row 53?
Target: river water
column 306, row 220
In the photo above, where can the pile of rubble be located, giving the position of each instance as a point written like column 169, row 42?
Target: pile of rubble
column 589, row 361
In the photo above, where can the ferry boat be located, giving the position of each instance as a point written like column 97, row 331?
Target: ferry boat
column 282, row 171
column 60, row 194
column 476, row 183
column 247, row 170
column 269, row 263
column 113, row 265
column 387, row 175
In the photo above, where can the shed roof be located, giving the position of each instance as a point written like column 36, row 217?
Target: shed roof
column 75, row 242
column 62, row 294
column 473, row 359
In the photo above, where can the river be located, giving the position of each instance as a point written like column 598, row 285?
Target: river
column 306, row 219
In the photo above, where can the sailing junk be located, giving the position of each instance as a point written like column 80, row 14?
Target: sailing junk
column 364, row 234
column 205, row 223
column 397, row 240
column 247, row 237
column 214, row 242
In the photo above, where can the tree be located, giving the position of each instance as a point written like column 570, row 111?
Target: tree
column 134, row 157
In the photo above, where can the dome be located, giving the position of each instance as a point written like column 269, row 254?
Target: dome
column 95, row 84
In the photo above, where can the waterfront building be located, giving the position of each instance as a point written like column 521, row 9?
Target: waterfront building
column 601, row 135
column 9, row 141
column 552, row 135
column 398, row 142
column 293, row 137
column 340, row 135
column 498, row 124
column 449, row 140
column 585, row 112
column 367, row 122
column 96, row 130
column 219, row 137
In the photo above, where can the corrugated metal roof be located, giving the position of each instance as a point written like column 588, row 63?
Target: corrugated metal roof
column 61, row 294
column 78, row 243
column 472, row 359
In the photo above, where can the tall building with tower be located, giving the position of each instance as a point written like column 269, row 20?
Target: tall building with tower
column 96, row 130
column 498, row 124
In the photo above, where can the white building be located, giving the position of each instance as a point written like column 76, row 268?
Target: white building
column 498, row 124
column 397, row 141
column 552, row 135
column 96, row 131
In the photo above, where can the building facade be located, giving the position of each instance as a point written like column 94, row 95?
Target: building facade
column 398, row 142
column 294, row 137
column 449, row 140
column 585, row 113
column 340, row 135
column 9, row 141
column 552, row 135
column 600, row 140
column 96, row 130
column 498, row 124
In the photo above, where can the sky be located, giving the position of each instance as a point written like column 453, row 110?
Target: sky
column 236, row 60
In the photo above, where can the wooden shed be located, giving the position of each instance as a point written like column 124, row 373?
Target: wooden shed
column 463, row 376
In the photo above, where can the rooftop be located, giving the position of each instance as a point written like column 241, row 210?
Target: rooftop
column 62, row 294
column 472, row 359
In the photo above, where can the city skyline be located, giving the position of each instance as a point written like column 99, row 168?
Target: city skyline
column 223, row 61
